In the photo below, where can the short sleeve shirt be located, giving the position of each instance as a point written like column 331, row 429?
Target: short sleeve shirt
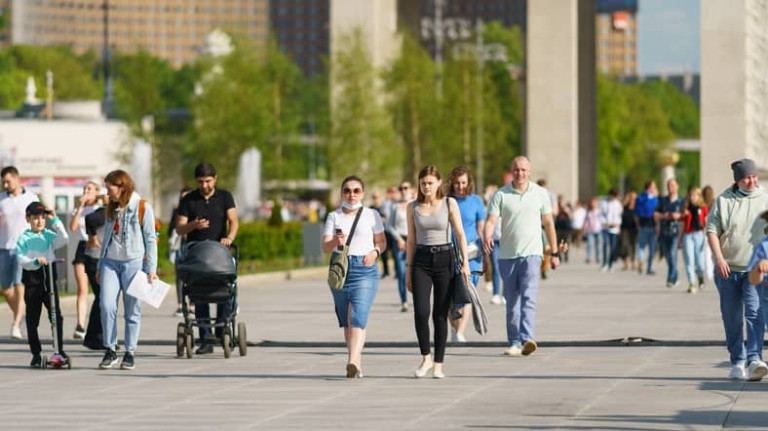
column 521, row 220
column 369, row 225
column 13, row 220
column 215, row 208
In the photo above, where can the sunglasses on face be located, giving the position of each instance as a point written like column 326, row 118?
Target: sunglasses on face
column 347, row 190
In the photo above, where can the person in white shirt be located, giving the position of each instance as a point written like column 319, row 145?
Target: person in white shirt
column 353, row 301
column 610, row 216
column 13, row 222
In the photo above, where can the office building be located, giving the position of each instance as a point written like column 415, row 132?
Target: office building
column 616, row 37
column 170, row 29
column 302, row 30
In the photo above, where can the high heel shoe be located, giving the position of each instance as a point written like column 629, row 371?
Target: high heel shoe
column 423, row 369
column 353, row 372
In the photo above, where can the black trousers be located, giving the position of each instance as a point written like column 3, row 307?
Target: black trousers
column 432, row 270
column 36, row 295
column 93, row 333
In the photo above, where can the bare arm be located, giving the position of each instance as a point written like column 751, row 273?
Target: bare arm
column 549, row 230
column 410, row 248
column 490, row 224
column 234, row 225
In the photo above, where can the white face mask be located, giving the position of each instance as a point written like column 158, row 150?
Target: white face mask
column 352, row 207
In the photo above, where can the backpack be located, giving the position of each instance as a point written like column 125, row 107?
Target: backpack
column 142, row 211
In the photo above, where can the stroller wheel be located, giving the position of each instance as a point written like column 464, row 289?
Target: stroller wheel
column 180, row 340
column 226, row 343
column 242, row 341
column 189, row 344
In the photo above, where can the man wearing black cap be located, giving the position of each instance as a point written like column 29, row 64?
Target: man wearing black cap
column 35, row 252
column 734, row 228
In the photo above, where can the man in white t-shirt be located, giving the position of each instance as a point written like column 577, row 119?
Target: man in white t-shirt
column 13, row 203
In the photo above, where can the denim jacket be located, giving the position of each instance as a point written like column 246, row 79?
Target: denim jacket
column 140, row 243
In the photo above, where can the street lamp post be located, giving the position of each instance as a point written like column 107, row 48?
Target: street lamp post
column 107, row 102
column 440, row 29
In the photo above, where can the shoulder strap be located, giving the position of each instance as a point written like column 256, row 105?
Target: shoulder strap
column 354, row 225
column 142, row 210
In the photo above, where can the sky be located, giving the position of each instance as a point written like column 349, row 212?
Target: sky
column 668, row 36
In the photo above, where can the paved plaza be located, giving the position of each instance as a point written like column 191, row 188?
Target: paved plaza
column 618, row 351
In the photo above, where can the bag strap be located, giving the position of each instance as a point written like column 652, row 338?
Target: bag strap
column 457, row 255
column 354, row 225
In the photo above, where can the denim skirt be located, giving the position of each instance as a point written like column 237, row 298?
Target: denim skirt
column 353, row 302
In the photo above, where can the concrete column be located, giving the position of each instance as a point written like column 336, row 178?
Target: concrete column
column 560, row 80
column 734, row 87
column 377, row 19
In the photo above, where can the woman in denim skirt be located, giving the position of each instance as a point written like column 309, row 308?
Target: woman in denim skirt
column 353, row 302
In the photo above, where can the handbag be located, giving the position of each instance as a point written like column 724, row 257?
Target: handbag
column 337, row 270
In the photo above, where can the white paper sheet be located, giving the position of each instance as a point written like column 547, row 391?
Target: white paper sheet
column 153, row 294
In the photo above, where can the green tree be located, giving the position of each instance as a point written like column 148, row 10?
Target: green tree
column 362, row 140
column 682, row 111
column 632, row 130
column 12, row 83
column 73, row 78
column 410, row 88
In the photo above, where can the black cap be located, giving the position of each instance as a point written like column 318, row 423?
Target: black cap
column 36, row 208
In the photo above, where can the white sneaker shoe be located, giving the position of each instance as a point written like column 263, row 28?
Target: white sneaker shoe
column 757, row 370
column 424, row 369
column 496, row 300
column 737, row 372
column 513, row 351
column 529, row 347
column 460, row 338
column 16, row 333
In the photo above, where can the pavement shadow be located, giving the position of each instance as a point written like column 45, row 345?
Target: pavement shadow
column 752, row 420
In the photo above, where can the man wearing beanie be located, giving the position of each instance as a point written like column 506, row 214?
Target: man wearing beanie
column 734, row 228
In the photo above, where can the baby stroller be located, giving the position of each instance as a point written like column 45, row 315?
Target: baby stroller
column 208, row 272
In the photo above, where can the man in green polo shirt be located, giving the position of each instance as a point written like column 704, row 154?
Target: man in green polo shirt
column 524, row 207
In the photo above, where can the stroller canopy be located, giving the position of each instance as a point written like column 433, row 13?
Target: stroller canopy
column 207, row 258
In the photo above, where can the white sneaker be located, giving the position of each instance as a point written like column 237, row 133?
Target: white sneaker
column 496, row 300
column 513, row 351
column 604, row 269
column 16, row 333
column 424, row 369
column 529, row 347
column 737, row 372
column 460, row 338
column 757, row 370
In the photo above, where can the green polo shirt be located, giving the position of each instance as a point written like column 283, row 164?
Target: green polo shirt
column 520, row 215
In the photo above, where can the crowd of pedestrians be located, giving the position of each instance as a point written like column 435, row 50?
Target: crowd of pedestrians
column 435, row 234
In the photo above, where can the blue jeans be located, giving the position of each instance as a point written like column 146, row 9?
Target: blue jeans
column 693, row 254
column 668, row 244
column 740, row 301
column 593, row 245
column 399, row 258
column 610, row 241
column 495, row 268
column 357, row 295
column 521, row 288
column 116, row 276
column 203, row 312
column 646, row 237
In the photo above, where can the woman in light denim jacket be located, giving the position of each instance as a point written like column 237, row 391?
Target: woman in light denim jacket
column 129, row 246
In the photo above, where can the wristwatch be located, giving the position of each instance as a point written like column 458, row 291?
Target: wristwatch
column 557, row 255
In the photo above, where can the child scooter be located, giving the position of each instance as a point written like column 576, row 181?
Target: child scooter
column 57, row 360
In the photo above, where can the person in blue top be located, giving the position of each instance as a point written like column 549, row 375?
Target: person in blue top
column 472, row 209
column 645, row 207
column 35, row 252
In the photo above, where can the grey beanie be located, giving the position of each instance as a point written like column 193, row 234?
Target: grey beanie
column 743, row 168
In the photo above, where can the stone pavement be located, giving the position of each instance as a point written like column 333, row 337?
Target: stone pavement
column 619, row 351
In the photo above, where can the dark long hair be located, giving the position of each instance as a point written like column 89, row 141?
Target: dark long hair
column 120, row 179
column 425, row 172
